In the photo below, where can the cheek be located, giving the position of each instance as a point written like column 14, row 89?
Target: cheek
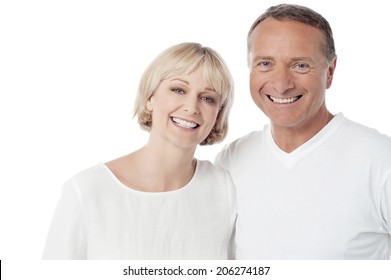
column 253, row 80
column 211, row 115
column 317, row 87
column 257, row 81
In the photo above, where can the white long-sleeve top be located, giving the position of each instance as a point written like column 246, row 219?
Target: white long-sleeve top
column 98, row 217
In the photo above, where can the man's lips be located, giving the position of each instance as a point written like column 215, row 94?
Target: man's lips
column 283, row 100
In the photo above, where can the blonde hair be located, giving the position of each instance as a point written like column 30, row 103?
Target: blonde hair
column 183, row 59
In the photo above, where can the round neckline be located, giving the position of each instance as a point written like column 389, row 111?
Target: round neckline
column 129, row 189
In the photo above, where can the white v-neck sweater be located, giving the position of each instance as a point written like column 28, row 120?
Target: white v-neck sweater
column 328, row 199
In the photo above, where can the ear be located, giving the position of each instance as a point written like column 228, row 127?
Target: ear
column 148, row 105
column 218, row 120
column 330, row 72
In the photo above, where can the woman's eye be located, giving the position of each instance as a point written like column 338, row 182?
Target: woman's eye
column 208, row 99
column 178, row 90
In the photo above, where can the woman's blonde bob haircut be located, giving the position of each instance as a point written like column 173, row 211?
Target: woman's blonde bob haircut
column 183, row 59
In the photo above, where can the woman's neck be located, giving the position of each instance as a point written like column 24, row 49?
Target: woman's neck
column 155, row 169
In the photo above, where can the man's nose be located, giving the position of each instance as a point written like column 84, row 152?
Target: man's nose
column 282, row 80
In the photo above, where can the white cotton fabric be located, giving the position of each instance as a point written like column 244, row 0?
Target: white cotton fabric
column 98, row 217
column 328, row 199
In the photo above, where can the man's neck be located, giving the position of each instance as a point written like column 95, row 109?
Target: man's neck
column 289, row 139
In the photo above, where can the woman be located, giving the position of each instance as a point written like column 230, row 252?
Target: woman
column 158, row 202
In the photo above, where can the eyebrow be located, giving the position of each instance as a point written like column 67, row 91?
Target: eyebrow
column 303, row 58
column 181, row 80
column 187, row 82
column 257, row 57
column 299, row 58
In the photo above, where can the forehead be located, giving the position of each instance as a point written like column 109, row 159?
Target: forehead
column 204, row 76
column 286, row 37
column 195, row 78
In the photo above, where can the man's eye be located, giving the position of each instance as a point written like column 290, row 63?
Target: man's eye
column 264, row 64
column 302, row 67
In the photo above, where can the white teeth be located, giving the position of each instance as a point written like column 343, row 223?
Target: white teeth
column 283, row 100
column 184, row 123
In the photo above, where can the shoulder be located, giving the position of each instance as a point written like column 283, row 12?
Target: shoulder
column 248, row 139
column 364, row 142
column 213, row 178
column 207, row 168
column 367, row 136
column 244, row 142
column 89, row 180
column 91, row 174
column 240, row 148
column 208, row 173
column 77, row 188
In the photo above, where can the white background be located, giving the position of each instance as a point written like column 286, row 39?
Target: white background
column 69, row 72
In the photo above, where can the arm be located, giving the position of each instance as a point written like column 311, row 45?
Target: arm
column 66, row 237
column 222, row 159
column 233, row 209
column 385, row 204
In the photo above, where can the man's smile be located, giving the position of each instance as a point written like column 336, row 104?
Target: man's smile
column 283, row 100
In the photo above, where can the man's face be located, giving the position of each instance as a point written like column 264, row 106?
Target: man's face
column 289, row 72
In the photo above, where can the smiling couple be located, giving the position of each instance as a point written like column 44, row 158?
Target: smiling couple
column 310, row 185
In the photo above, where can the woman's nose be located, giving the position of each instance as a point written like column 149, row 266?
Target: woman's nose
column 191, row 105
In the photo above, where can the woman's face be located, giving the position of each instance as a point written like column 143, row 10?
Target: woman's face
column 184, row 110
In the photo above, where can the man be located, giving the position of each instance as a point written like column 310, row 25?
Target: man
column 310, row 185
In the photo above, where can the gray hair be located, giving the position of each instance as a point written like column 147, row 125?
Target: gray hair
column 301, row 14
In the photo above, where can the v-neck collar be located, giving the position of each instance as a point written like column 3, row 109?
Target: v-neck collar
column 289, row 160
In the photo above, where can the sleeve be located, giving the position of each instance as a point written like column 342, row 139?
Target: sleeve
column 232, row 247
column 66, row 237
column 222, row 159
column 385, row 204
column 233, row 213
